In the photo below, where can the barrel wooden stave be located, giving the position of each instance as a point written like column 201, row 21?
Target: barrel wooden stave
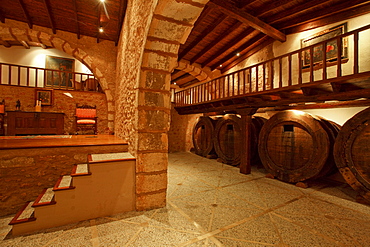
column 352, row 152
column 228, row 142
column 294, row 146
column 203, row 133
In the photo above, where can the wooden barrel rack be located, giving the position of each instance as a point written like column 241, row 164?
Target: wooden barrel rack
column 352, row 153
column 295, row 146
column 228, row 139
column 203, row 133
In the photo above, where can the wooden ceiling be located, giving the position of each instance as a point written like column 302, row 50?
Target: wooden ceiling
column 82, row 17
column 227, row 31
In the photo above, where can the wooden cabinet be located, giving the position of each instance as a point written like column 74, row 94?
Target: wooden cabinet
column 34, row 123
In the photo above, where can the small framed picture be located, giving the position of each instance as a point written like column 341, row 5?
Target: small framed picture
column 45, row 96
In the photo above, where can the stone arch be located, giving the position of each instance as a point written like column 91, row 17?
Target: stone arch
column 25, row 34
column 170, row 26
column 193, row 70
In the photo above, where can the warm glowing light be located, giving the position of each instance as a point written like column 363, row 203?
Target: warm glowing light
column 175, row 83
column 238, row 54
column 101, row 29
column 68, row 94
column 102, row 1
column 220, row 65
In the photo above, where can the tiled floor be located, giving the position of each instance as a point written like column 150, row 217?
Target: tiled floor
column 211, row 204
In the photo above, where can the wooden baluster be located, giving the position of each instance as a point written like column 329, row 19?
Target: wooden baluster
column 238, row 76
column 10, row 75
column 290, row 82
column 300, row 67
column 355, row 53
column 264, row 77
column 280, row 72
column 324, row 72
column 256, row 78
column 28, row 76
column 250, row 79
column 339, row 57
column 311, row 64
column 271, row 74
column 19, row 75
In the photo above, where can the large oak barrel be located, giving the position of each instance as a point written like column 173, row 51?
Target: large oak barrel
column 352, row 152
column 295, row 146
column 203, row 133
column 228, row 139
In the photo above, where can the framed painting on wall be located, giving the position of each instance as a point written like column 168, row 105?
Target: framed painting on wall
column 331, row 46
column 63, row 76
column 45, row 96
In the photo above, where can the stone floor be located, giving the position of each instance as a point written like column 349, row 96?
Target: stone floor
column 211, row 204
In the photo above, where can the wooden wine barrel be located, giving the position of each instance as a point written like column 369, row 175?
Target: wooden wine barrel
column 295, row 146
column 228, row 139
column 203, row 133
column 352, row 152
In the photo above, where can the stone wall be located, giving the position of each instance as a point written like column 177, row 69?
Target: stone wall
column 181, row 131
column 60, row 103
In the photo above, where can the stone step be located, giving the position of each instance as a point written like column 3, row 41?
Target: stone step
column 45, row 198
column 80, row 170
column 108, row 157
column 26, row 214
column 64, row 183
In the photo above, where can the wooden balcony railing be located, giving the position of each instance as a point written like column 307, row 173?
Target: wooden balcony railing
column 26, row 76
column 311, row 65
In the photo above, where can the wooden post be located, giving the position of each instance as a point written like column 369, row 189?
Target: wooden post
column 246, row 156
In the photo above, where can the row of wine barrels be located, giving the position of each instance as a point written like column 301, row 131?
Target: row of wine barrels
column 222, row 136
column 295, row 146
column 352, row 152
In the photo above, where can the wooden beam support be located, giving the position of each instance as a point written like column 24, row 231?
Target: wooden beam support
column 76, row 19
column 25, row 12
column 50, row 15
column 248, row 19
column 25, row 44
column 246, row 134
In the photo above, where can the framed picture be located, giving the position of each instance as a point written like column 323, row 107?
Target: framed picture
column 45, row 96
column 331, row 46
column 64, row 67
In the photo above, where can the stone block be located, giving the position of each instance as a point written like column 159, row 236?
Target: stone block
column 152, row 141
column 154, row 99
column 150, row 201
column 153, row 120
column 155, row 80
column 151, row 162
column 147, row 183
column 170, row 31
column 179, row 10
column 157, row 61
column 157, row 45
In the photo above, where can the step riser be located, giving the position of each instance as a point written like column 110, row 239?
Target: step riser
column 108, row 191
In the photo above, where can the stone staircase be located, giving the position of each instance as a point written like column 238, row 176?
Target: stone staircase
column 104, row 186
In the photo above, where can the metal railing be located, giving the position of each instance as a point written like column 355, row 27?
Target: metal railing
column 310, row 65
column 26, row 76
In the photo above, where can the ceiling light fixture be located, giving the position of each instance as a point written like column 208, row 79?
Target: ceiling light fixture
column 102, row 1
column 220, row 65
column 101, row 29
column 238, row 54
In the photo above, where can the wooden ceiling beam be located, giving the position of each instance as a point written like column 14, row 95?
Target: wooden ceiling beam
column 216, row 41
column 50, row 16
column 184, row 76
column 25, row 12
column 5, row 43
column 207, row 31
column 357, row 11
column 319, row 14
column 230, row 45
column 189, row 83
column 98, row 22
column 76, row 19
column 25, row 44
column 248, row 19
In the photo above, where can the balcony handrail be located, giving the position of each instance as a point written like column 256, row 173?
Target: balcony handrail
column 217, row 89
column 30, row 76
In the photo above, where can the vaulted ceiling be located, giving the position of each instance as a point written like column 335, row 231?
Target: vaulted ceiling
column 227, row 31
